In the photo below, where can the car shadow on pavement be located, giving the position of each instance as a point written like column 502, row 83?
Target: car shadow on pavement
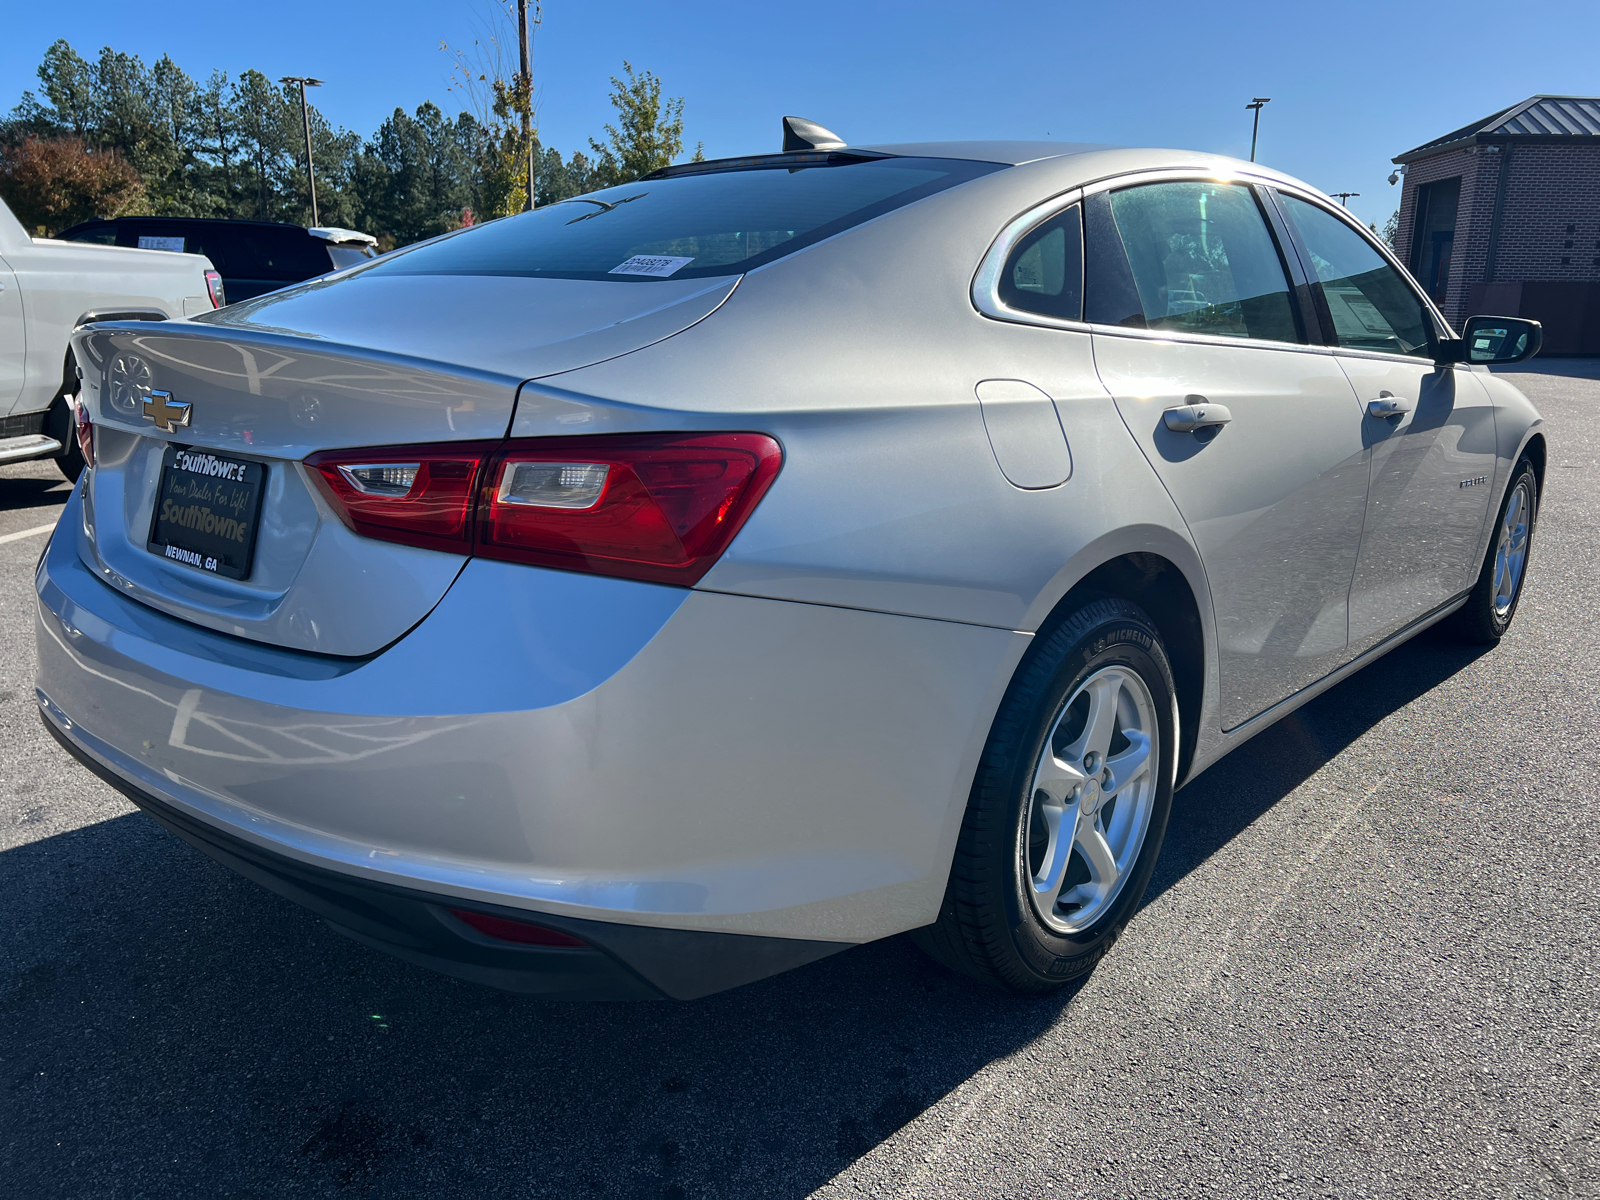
column 1223, row 801
column 170, row 1029
column 44, row 492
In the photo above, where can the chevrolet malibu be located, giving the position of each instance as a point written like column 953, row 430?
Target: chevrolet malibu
column 678, row 584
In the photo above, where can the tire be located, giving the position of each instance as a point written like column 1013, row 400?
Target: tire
column 1492, row 604
column 70, row 464
column 1001, row 922
column 59, row 423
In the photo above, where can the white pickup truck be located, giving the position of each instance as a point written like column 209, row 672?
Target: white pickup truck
column 47, row 290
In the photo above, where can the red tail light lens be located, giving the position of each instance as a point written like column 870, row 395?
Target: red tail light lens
column 82, row 429
column 657, row 507
column 214, row 289
column 418, row 495
column 524, row 933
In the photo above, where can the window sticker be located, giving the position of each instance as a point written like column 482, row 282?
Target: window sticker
column 650, row 264
column 160, row 243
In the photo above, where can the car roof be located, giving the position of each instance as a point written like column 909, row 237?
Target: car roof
column 1085, row 162
column 189, row 221
column 1011, row 153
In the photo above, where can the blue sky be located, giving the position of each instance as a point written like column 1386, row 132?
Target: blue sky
column 1351, row 84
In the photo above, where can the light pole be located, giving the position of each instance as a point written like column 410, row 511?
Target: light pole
column 305, row 120
column 1257, row 103
column 1344, row 197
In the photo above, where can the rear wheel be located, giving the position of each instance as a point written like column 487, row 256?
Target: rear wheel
column 70, row 464
column 1069, row 806
column 60, row 425
column 1487, row 614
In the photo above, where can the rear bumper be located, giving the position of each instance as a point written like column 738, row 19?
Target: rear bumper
column 628, row 962
column 561, row 745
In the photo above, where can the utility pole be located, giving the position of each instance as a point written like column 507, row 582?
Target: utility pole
column 1255, row 128
column 305, row 120
column 1344, row 197
column 525, row 52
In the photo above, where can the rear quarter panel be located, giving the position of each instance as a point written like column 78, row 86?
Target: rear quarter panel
column 862, row 355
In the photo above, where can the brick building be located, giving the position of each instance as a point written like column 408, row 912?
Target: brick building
column 1503, row 217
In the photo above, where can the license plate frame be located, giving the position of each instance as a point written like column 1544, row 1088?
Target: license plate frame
column 207, row 511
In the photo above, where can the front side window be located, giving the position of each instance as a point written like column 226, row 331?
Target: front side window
column 1372, row 307
column 702, row 224
column 1044, row 273
column 1203, row 261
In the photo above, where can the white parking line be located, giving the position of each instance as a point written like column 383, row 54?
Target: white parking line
column 27, row 533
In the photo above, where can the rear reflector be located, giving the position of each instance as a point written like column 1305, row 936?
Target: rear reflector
column 655, row 507
column 524, row 933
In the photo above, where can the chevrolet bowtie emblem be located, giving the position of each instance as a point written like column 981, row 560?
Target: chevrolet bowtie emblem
column 167, row 413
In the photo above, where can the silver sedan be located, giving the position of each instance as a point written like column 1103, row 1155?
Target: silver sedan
column 675, row 585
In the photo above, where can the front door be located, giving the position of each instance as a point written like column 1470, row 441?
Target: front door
column 1432, row 461
column 1274, row 499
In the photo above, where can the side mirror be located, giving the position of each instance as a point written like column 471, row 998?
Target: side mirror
column 1500, row 340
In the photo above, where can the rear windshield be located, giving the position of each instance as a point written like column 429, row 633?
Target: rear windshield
column 349, row 254
column 688, row 226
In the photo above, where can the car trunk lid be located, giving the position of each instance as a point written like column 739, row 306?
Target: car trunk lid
column 272, row 397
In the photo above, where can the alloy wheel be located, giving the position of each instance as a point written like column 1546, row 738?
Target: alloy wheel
column 1511, row 547
column 1089, row 809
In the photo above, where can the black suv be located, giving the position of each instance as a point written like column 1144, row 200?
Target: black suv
column 251, row 256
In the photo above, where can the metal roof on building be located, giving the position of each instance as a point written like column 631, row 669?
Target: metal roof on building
column 1536, row 119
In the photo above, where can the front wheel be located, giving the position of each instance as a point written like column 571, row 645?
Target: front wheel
column 1487, row 614
column 1068, row 808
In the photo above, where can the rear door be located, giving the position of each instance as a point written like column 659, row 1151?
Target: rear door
column 1432, row 461
column 13, row 339
column 1193, row 307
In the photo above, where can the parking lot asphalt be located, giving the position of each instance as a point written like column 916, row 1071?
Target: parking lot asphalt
column 1366, row 967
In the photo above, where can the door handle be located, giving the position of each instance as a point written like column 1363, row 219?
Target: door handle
column 1388, row 405
column 1202, row 414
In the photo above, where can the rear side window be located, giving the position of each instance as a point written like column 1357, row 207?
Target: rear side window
column 720, row 222
column 349, row 255
column 1372, row 307
column 101, row 235
column 1199, row 259
column 1045, row 272
column 280, row 254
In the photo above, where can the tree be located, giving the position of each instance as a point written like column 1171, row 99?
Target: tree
column 57, row 182
column 559, row 180
column 235, row 147
column 650, row 134
column 1391, row 231
column 70, row 85
column 415, row 176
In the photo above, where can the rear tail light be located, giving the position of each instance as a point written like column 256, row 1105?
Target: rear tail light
column 214, row 289
column 418, row 495
column 655, row 507
column 659, row 507
column 524, row 933
column 82, row 429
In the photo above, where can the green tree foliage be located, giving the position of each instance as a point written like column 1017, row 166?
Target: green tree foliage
column 125, row 138
column 648, row 134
